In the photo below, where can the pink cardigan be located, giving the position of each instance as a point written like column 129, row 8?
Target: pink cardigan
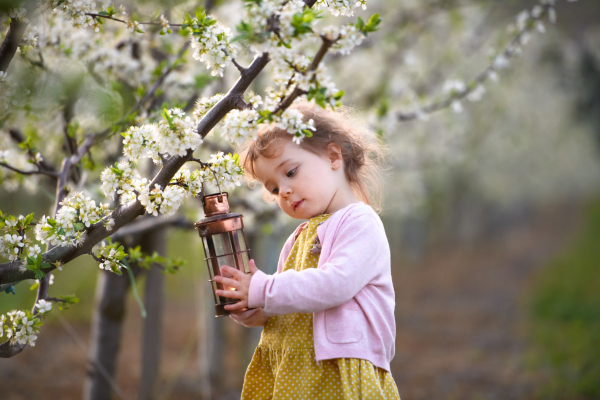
column 350, row 292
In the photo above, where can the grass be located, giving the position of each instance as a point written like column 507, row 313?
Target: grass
column 565, row 323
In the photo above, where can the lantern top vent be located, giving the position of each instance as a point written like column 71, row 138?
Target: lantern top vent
column 216, row 204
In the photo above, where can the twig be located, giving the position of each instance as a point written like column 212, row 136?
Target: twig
column 286, row 102
column 38, row 172
column 94, row 15
column 239, row 67
column 56, row 299
column 508, row 52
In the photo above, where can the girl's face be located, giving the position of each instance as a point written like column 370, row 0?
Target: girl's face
column 304, row 184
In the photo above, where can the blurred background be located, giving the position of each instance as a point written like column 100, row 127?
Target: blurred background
column 491, row 207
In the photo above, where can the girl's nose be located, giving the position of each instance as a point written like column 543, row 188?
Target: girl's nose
column 286, row 191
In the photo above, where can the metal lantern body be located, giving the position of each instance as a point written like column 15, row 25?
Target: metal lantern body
column 224, row 242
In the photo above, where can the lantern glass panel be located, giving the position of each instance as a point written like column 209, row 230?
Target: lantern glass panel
column 239, row 237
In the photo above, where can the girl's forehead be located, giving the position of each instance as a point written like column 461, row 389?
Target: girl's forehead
column 290, row 152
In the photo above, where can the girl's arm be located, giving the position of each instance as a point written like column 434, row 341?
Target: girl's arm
column 359, row 255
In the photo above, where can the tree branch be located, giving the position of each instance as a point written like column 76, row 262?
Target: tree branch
column 146, row 224
column 11, row 42
column 508, row 52
column 18, row 137
column 285, row 103
column 38, row 172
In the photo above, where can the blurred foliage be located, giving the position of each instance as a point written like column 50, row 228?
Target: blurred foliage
column 565, row 322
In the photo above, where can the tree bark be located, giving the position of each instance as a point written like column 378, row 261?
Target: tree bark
column 107, row 324
column 153, row 301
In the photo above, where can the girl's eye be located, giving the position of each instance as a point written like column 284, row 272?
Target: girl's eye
column 291, row 172
column 274, row 191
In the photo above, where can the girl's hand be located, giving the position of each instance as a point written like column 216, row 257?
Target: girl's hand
column 240, row 282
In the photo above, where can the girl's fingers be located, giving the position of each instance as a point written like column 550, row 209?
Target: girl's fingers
column 233, row 271
column 252, row 266
column 232, row 294
column 228, row 282
column 237, row 306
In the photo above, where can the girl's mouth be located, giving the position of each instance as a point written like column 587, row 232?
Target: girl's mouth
column 297, row 204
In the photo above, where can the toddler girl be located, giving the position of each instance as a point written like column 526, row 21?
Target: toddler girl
column 328, row 311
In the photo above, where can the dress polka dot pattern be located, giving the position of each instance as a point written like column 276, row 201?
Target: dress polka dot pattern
column 284, row 366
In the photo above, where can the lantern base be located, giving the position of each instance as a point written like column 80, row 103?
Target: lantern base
column 222, row 312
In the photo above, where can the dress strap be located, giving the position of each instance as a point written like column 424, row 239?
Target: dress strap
column 299, row 230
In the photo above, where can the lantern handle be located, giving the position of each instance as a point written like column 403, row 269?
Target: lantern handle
column 216, row 180
column 207, row 165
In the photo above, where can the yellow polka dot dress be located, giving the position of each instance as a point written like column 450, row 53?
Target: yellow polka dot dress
column 284, row 366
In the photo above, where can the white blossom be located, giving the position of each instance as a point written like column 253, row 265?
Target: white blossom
column 122, row 179
column 111, row 256
column 76, row 213
column 225, row 170
column 76, row 11
column 133, row 26
column 213, row 47
column 43, row 306
column 453, row 86
column 347, row 37
column 341, row 7
column 177, row 134
column 33, row 251
column 291, row 121
column 141, row 142
column 191, row 181
column 203, row 105
column 477, row 93
column 165, row 24
column 239, row 125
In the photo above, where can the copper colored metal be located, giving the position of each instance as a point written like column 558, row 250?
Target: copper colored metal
column 216, row 204
column 222, row 245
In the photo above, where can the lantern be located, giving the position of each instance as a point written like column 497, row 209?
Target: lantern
column 224, row 241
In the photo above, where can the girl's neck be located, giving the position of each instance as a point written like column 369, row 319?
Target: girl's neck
column 343, row 197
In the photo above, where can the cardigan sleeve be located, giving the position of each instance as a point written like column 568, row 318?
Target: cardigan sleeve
column 351, row 265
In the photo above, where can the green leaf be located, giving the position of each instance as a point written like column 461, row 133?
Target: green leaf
column 61, row 231
column 104, row 14
column 28, row 219
column 34, row 286
column 116, row 171
column 78, row 226
column 360, row 24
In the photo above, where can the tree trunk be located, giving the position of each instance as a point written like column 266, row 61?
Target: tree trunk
column 152, row 334
column 108, row 318
column 106, row 333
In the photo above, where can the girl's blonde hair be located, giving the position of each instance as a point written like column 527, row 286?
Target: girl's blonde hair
column 362, row 151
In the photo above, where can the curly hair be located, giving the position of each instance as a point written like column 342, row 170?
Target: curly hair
column 362, row 151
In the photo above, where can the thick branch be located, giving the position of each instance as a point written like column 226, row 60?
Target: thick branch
column 11, row 42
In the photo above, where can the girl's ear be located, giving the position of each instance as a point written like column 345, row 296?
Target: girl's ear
column 334, row 153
